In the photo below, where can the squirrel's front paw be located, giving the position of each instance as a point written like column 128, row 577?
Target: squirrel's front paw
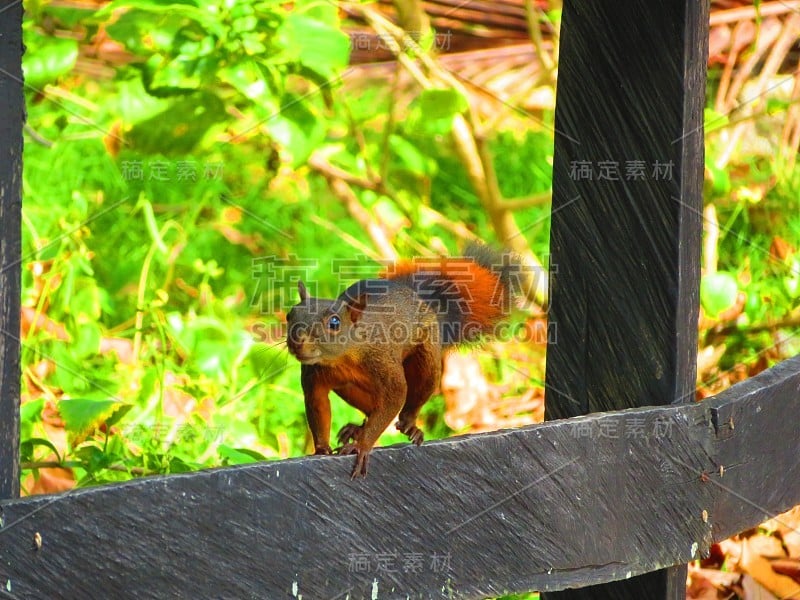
column 348, row 433
column 322, row 451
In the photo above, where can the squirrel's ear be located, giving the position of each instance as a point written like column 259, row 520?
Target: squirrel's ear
column 303, row 291
column 355, row 307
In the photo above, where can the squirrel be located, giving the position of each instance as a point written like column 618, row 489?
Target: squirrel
column 380, row 344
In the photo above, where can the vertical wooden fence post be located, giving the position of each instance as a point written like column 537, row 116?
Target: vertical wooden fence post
column 12, row 115
column 626, row 228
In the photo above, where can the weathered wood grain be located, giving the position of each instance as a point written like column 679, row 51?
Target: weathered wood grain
column 12, row 116
column 757, row 424
column 626, row 228
column 557, row 505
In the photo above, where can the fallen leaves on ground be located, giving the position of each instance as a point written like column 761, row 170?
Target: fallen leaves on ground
column 762, row 564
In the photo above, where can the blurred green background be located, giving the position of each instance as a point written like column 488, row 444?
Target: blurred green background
column 186, row 161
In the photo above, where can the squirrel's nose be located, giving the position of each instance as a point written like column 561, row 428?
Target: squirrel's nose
column 295, row 340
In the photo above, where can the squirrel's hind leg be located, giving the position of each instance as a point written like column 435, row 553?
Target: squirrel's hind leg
column 423, row 371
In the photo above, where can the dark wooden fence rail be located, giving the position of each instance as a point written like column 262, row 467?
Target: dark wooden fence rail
column 12, row 116
column 620, row 499
column 544, row 507
column 626, row 231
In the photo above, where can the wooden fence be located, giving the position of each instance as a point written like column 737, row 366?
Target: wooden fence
column 616, row 501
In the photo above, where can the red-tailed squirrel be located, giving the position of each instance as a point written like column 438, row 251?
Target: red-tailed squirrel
column 379, row 345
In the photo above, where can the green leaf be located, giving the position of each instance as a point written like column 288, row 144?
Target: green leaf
column 249, row 79
column 718, row 292
column 297, row 128
column 239, row 456
column 179, row 128
column 792, row 281
column 176, row 464
column 713, row 120
column 432, row 111
column 411, row 157
column 268, row 361
column 325, row 12
column 47, row 59
column 163, row 77
column 87, row 340
column 441, row 104
column 152, row 5
column 85, row 304
column 778, row 105
column 320, row 47
column 94, row 458
column 27, row 446
column 387, row 212
column 720, row 179
column 144, row 33
column 148, row 27
column 66, row 16
column 82, row 415
column 31, row 411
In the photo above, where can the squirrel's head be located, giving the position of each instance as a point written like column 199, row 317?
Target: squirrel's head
column 319, row 329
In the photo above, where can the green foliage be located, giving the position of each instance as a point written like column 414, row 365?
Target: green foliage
column 152, row 193
column 142, row 336
column 82, row 415
column 54, row 57
column 718, row 292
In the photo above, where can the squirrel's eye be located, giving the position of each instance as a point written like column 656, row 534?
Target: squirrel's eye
column 334, row 323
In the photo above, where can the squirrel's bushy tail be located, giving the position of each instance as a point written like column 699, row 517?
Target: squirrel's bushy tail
column 470, row 294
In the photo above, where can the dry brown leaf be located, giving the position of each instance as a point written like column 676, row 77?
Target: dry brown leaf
column 122, row 347
column 186, row 288
column 710, row 583
column 752, row 563
column 231, row 214
column 787, row 566
column 180, row 404
column 752, row 590
column 113, row 139
column 38, row 269
column 53, row 426
column 780, row 249
column 467, row 394
column 787, row 526
column 719, row 40
column 33, row 380
column 253, row 242
column 732, row 549
column 791, row 540
column 707, row 360
column 29, row 319
column 50, row 481
column 765, row 545
column 700, row 588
